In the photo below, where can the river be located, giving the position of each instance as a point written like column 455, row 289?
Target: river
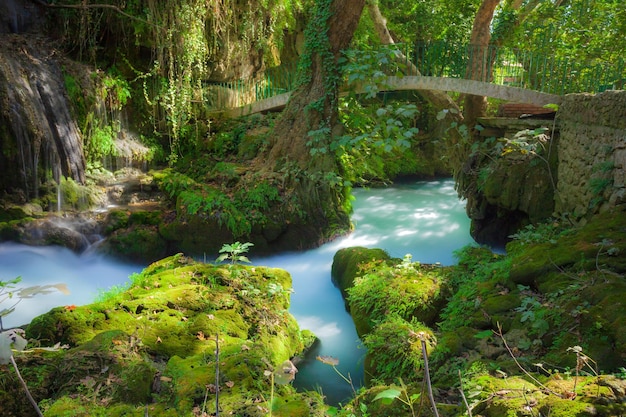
column 423, row 218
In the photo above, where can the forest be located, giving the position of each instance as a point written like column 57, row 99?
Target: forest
column 146, row 106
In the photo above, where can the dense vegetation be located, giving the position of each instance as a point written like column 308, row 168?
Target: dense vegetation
column 538, row 331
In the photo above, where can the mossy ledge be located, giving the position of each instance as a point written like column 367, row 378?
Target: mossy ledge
column 536, row 331
column 151, row 349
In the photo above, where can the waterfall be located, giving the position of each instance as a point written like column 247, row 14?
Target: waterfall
column 38, row 133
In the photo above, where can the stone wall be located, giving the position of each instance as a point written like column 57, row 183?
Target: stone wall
column 591, row 152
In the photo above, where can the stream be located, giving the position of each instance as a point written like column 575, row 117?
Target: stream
column 423, row 218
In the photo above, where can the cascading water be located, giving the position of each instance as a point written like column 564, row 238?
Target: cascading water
column 36, row 125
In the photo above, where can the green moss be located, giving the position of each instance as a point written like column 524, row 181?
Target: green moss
column 347, row 263
column 138, row 243
column 157, row 341
column 405, row 288
column 116, row 219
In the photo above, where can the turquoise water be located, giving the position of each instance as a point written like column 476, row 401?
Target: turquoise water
column 425, row 219
column 85, row 275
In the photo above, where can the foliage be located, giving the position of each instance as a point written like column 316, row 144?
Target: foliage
column 379, row 134
column 475, row 265
column 238, row 212
column 235, row 253
column 184, row 40
column 413, row 21
column 393, row 351
column 401, row 393
column 562, row 29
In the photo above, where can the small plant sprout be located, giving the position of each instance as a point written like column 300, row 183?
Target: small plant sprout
column 283, row 375
column 402, row 394
column 234, row 252
column 582, row 361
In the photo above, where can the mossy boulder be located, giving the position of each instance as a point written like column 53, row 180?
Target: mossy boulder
column 599, row 244
column 376, row 286
column 160, row 343
column 138, row 243
column 347, row 263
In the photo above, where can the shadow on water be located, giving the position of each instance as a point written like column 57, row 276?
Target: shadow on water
column 424, row 218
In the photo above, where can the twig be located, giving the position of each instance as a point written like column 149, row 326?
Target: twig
column 427, row 375
column 469, row 410
column 28, row 394
column 217, row 375
column 519, row 365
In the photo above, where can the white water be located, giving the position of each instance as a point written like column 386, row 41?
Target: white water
column 425, row 219
column 85, row 276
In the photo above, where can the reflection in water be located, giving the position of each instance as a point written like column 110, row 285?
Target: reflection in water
column 425, row 219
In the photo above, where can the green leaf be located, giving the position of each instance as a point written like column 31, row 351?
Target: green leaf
column 388, row 395
column 484, row 334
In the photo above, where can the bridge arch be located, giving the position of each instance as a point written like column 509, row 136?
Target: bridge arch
column 394, row 83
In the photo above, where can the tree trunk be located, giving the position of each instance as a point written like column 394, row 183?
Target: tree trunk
column 301, row 139
column 313, row 105
column 478, row 67
column 439, row 99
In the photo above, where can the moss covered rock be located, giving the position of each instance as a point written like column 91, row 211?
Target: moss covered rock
column 163, row 341
column 348, row 261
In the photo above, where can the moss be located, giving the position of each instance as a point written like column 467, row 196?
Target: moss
column 347, row 261
column 157, row 341
column 116, row 219
column 138, row 243
column 152, row 218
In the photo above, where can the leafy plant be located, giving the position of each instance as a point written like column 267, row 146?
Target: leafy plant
column 401, row 393
column 234, row 252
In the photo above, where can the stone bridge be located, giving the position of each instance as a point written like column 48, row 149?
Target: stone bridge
column 458, row 85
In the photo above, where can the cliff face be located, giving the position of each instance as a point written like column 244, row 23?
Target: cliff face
column 39, row 137
column 526, row 177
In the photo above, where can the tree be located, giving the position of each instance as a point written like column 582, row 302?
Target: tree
column 439, row 99
column 300, row 144
column 477, row 68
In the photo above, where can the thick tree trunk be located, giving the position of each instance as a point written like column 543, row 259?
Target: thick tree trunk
column 313, row 106
column 300, row 144
column 478, row 67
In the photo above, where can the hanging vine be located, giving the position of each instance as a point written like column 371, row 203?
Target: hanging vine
column 188, row 40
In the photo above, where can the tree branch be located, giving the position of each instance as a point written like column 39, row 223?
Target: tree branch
column 95, row 6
